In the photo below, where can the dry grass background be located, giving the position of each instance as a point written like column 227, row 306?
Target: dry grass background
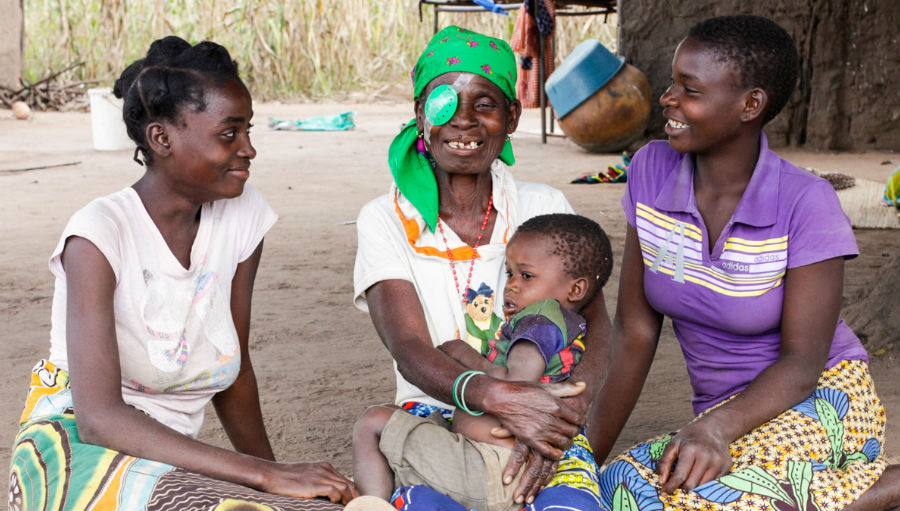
column 298, row 50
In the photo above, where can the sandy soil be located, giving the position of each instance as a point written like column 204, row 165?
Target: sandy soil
column 318, row 359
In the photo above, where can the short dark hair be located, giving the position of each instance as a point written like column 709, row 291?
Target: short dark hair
column 762, row 52
column 172, row 76
column 580, row 242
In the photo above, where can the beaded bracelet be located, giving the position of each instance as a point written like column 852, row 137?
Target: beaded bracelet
column 460, row 402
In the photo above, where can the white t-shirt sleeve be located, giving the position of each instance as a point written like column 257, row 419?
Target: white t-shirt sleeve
column 256, row 218
column 557, row 202
column 539, row 199
column 379, row 253
column 97, row 223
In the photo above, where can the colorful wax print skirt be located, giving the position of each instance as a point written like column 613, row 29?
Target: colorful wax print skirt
column 51, row 469
column 822, row 454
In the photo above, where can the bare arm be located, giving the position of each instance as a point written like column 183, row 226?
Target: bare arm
column 400, row 322
column 524, row 362
column 634, row 339
column 459, row 350
column 812, row 300
column 594, row 364
column 238, row 406
column 105, row 419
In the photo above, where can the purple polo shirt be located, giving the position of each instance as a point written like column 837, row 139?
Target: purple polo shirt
column 726, row 305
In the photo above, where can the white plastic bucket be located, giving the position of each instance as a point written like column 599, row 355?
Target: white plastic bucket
column 106, row 121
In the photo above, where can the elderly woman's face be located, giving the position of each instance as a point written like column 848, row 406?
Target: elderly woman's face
column 470, row 141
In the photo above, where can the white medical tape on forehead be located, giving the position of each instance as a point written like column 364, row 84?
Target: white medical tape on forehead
column 461, row 82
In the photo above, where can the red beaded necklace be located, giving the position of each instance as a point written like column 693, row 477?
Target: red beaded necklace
column 487, row 215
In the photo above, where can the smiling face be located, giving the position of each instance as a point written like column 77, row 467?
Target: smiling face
column 704, row 104
column 211, row 149
column 473, row 138
column 534, row 273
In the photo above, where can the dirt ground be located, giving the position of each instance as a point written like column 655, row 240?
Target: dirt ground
column 318, row 359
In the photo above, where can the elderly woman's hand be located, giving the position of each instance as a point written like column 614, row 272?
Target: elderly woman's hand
column 543, row 425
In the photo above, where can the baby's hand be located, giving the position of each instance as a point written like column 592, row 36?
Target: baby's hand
column 456, row 347
column 471, row 358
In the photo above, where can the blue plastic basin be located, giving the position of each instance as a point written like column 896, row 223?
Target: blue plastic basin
column 585, row 71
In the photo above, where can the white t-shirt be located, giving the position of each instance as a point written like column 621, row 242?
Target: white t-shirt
column 177, row 342
column 394, row 243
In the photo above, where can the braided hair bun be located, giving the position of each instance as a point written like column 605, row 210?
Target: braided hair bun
column 172, row 76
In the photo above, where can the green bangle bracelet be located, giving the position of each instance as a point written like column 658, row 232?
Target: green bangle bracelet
column 463, row 375
column 456, row 385
column 462, row 394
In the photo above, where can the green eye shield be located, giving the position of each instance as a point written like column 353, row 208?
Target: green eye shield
column 441, row 105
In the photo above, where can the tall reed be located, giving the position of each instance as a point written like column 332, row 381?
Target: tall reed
column 287, row 50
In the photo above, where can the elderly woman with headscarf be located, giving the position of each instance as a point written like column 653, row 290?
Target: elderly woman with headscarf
column 440, row 232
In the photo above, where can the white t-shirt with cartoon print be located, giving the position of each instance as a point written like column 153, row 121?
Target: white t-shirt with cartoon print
column 177, row 342
column 394, row 243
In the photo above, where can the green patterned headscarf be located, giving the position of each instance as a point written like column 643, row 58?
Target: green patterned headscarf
column 453, row 49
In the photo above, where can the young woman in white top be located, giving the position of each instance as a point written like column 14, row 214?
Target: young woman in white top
column 151, row 317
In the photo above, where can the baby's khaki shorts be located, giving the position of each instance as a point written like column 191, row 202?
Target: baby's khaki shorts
column 425, row 451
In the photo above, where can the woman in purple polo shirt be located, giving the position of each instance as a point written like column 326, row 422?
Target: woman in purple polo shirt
column 745, row 253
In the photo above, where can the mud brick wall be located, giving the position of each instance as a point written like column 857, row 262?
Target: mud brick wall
column 848, row 95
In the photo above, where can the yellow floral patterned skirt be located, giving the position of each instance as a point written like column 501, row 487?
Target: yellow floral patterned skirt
column 822, row 454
